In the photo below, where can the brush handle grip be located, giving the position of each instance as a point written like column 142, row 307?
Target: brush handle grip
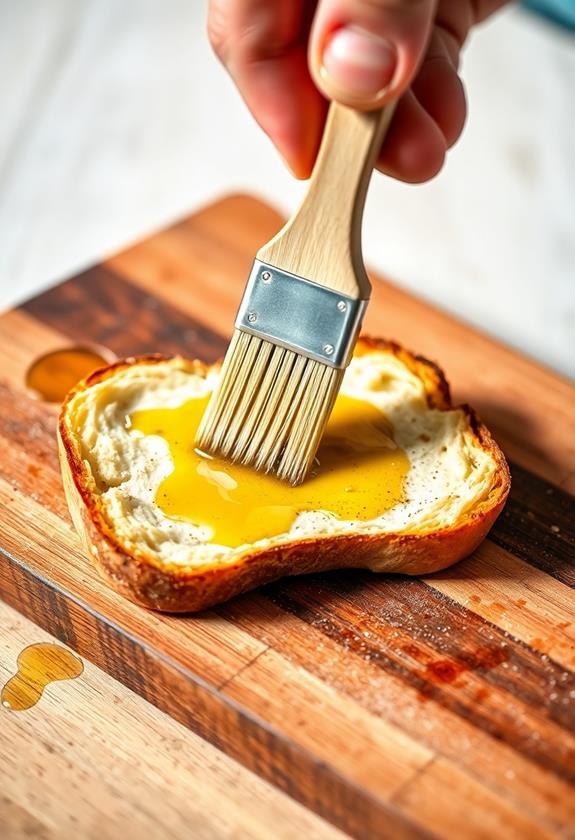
column 322, row 241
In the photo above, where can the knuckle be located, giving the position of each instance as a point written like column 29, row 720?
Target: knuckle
column 249, row 38
column 218, row 31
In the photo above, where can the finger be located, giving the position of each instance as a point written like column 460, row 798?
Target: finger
column 253, row 29
column 484, row 8
column 287, row 106
column 414, row 149
column 456, row 17
column 365, row 52
column 259, row 43
column 440, row 91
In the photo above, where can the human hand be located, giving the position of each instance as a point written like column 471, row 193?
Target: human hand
column 288, row 56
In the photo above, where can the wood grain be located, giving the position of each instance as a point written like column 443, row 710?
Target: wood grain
column 125, row 767
column 127, row 320
column 352, row 669
column 446, row 654
column 390, row 706
column 538, row 525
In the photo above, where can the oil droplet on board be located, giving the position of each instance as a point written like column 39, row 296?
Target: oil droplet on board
column 38, row 666
column 51, row 376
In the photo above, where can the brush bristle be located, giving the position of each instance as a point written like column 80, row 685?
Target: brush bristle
column 270, row 408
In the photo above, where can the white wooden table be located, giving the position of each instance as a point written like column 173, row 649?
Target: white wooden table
column 115, row 118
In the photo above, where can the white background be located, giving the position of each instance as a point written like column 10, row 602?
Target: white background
column 115, row 119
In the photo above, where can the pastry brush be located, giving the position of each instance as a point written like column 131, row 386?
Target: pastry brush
column 301, row 312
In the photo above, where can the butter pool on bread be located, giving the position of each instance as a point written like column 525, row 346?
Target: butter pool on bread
column 443, row 482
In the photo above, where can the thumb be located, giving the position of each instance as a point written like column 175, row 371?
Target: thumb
column 366, row 52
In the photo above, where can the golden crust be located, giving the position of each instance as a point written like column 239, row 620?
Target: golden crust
column 147, row 581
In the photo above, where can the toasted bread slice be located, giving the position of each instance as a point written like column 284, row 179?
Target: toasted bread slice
column 455, row 487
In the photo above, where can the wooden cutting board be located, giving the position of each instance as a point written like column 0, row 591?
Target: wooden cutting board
column 393, row 707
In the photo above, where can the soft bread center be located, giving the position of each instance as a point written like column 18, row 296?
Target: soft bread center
column 359, row 474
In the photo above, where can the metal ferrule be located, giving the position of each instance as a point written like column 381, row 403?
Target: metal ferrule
column 300, row 315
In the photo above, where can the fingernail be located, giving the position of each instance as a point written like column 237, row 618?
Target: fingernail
column 360, row 63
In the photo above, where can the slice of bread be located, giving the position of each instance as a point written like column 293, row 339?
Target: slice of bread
column 455, row 487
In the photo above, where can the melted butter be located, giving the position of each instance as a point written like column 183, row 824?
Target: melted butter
column 38, row 666
column 358, row 475
column 51, row 376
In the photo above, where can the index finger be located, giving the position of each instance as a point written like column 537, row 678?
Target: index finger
column 261, row 44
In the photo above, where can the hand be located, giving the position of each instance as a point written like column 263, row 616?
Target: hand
column 288, row 56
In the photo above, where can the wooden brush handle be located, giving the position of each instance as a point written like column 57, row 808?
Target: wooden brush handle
column 322, row 241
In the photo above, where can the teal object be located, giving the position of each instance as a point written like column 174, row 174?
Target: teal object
column 561, row 12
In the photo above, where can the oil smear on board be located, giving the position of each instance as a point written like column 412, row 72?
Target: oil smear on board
column 38, row 666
